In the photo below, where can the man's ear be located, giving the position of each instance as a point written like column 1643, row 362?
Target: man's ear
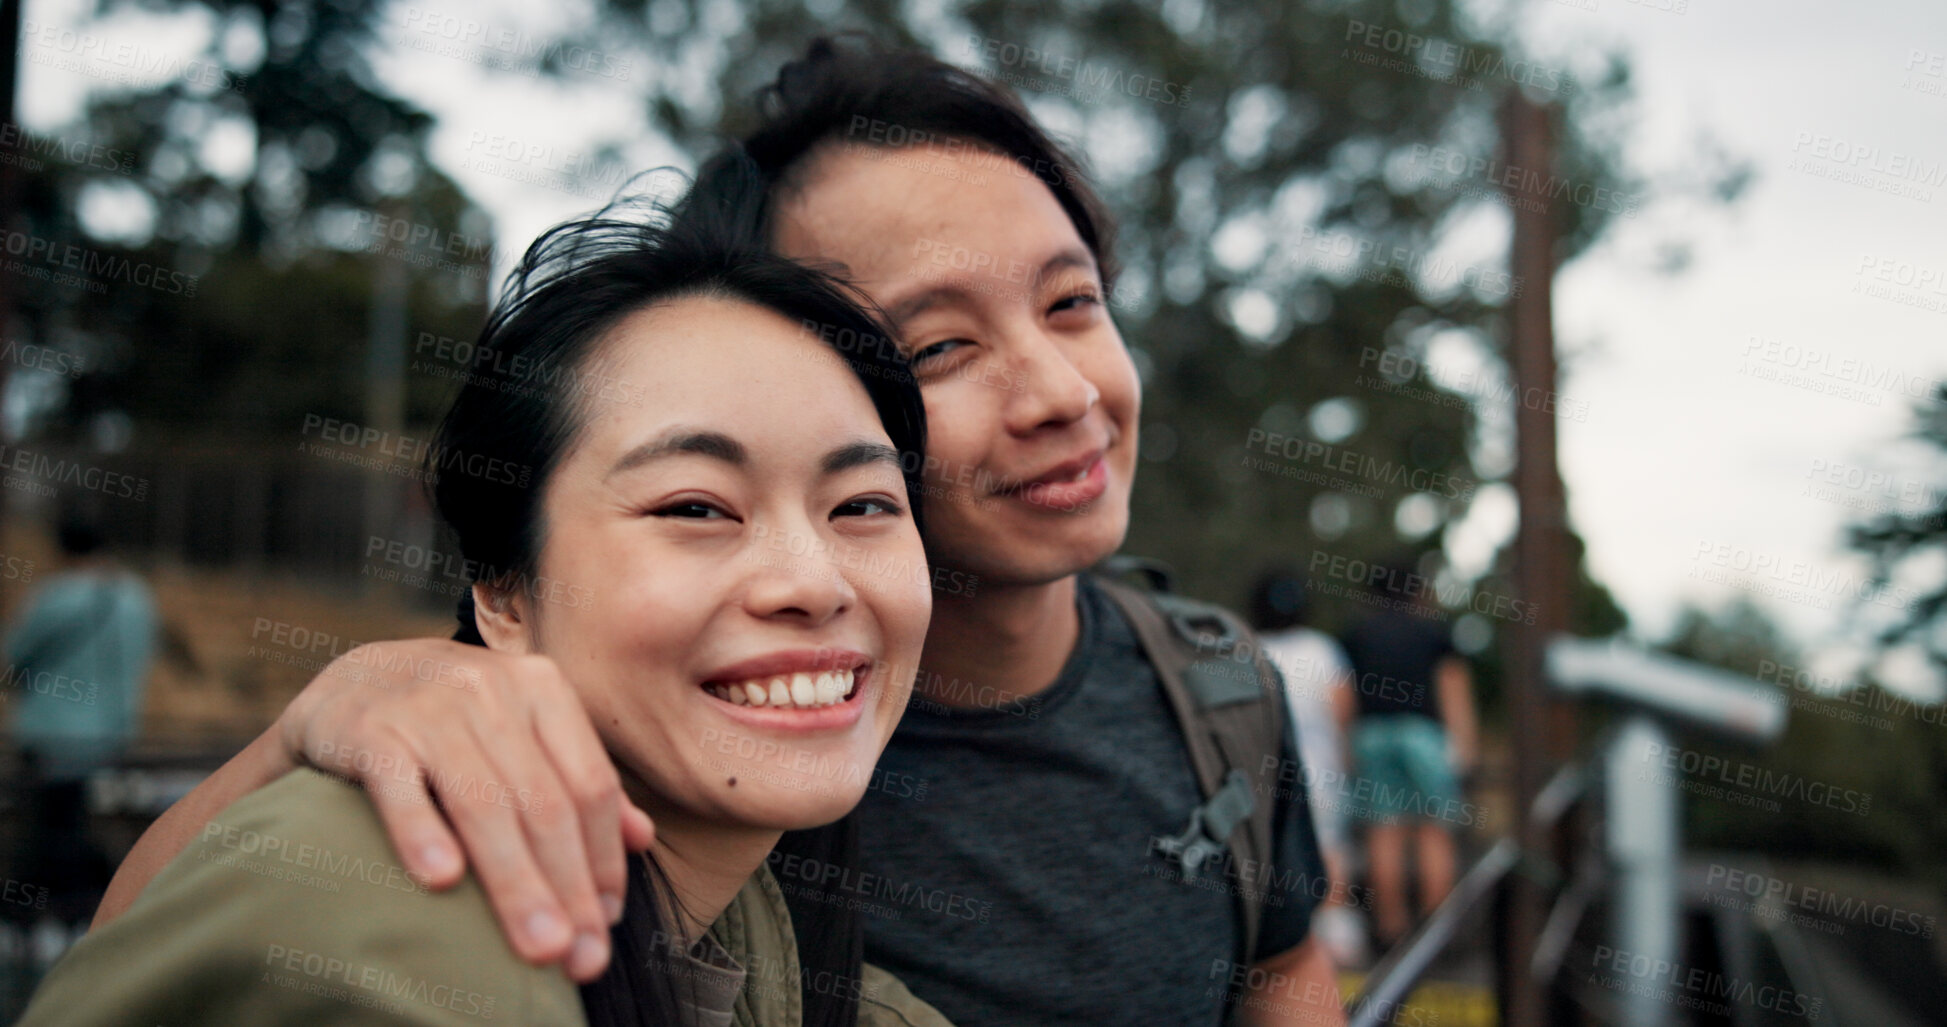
column 504, row 619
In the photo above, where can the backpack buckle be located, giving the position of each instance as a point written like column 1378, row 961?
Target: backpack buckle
column 1210, row 827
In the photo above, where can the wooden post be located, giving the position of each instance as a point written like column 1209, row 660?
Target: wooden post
column 1542, row 727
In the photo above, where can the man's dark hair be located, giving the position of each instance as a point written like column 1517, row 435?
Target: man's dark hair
column 851, row 90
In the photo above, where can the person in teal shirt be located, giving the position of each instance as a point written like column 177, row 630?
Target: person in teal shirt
column 77, row 664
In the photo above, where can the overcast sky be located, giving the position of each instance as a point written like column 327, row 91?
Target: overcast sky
column 1734, row 409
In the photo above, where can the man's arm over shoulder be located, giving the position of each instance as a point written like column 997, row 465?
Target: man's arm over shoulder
column 291, row 908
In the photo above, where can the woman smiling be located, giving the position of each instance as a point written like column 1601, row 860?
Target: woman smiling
column 739, row 697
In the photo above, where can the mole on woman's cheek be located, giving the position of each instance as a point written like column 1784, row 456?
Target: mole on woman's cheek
column 733, row 782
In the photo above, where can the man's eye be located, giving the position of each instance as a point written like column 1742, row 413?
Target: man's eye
column 867, row 506
column 939, row 349
column 689, row 508
column 1077, row 301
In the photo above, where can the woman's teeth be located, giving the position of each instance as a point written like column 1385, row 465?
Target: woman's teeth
column 792, row 691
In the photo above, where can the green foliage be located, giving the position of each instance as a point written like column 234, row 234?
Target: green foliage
column 253, row 308
column 1864, row 739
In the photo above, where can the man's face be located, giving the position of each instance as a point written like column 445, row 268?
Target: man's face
column 1031, row 399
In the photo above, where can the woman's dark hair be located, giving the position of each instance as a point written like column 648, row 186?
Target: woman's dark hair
column 851, row 90
column 530, row 385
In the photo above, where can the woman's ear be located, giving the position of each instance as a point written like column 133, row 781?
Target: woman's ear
column 503, row 617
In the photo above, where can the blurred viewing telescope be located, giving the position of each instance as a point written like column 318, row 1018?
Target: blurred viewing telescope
column 1668, row 688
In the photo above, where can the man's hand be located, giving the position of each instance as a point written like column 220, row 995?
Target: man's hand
column 501, row 743
column 1298, row 986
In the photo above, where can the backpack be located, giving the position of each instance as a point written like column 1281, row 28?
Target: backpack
column 1230, row 703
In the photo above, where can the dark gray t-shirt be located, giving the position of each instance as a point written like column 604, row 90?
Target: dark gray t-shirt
column 1008, row 851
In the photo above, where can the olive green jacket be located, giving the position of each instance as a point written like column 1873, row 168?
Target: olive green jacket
column 290, row 908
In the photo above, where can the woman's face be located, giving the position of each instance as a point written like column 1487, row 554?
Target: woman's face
column 749, row 592
column 1031, row 398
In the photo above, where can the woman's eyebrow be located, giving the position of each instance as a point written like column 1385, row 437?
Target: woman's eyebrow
column 713, row 444
column 858, row 454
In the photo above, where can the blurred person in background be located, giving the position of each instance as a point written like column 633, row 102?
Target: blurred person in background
column 1057, row 757
column 80, row 655
column 1413, row 737
column 1317, row 681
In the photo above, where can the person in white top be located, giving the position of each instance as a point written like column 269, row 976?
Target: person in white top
column 1317, row 681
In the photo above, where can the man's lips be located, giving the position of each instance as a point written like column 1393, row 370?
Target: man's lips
column 1062, row 473
column 1070, row 485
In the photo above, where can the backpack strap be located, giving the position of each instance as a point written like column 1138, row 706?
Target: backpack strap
column 1230, row 705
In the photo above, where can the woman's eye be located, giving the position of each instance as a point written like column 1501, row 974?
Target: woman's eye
column 691, row 509
column 938, row 349
column 866, row 507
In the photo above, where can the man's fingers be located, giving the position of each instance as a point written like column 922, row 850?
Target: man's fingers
column 419, row 834
column 638, row 831
column 534, row 921
column 596, row 791
column 526, row 783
